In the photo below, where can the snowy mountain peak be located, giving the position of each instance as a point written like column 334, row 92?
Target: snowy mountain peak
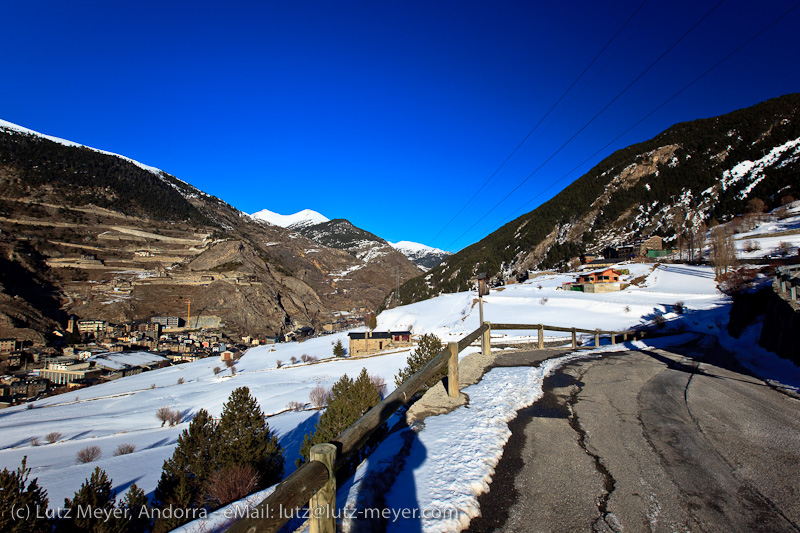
column 408, row 246
column 301, row 219
column 424, row 256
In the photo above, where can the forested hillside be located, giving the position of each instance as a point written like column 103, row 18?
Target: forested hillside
column 692, row 173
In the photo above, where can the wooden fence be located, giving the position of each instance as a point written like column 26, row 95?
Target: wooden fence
column 788, row 280
column 314, row 483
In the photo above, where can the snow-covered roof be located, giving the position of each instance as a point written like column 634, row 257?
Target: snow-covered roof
column 120, row 361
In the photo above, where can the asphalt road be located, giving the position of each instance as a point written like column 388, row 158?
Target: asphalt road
column 649, row 441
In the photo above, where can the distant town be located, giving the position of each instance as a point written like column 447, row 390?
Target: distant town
column 96, row 351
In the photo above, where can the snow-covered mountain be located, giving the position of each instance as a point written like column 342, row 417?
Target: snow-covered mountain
column 301, row 219
column 422, row 255
column 340, row 233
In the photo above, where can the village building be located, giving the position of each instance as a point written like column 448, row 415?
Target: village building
column 602, row 280
column 10, row 345
column 167, row 321
column 63, row 373
column 369, row 342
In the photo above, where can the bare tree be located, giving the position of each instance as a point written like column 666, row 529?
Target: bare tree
column 164, row 414
column 319, row 396
column 723, row 251
column 380, row 384
column 53, row 436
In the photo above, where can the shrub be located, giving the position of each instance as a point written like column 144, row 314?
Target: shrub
column 217, row 370
column 88, row 454
column 124, row 449
column 153, row 386
column 544, row 300
column 294, row 360
column 319, row 396
column 230, row 364
column 429, row 346
column 53, row 436
column 659, row 321
column 231, row 484
column 181, row 381
column 627, row 308
column 312, row 359
column 295, row 406
column 304, row 357
column 34, row 441
column 278, row 363
column 678, row 308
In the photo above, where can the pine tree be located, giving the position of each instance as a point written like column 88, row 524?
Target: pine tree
column 15, row 496
column 184, row 474
column 429, row 346
column 136, row 508
column 338, row 349
column 94, row 497
column 348, row 402
column 244, row 438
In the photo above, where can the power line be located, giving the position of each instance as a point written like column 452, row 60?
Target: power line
column 665, row 102
column 619, row 95
column 563, row 95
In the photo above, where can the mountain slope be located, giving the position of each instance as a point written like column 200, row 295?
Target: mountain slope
column 693, row 172
column 100, row 236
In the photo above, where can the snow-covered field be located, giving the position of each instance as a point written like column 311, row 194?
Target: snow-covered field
column 123, row 411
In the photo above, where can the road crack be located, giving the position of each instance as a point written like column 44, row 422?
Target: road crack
column 607, row 521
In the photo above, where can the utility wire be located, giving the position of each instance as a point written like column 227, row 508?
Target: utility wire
column 592, row 62
column 617, row 97
column 665, row 102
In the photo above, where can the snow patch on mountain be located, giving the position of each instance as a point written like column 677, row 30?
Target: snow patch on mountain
column 301, row 219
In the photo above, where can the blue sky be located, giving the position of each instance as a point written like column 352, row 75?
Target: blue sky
column 390, row 114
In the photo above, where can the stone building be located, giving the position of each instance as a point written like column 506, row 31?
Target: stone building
column 368, row 342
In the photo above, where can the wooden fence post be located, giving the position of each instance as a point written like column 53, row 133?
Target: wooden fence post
column 323, row 504
column 541, row 336
column 574, row 339
column 452, row 370
column 613, row 338
column 596, row 338
column 625, row 337
column 486, row 342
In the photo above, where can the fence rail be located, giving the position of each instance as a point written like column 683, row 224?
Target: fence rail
column 317, row 476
